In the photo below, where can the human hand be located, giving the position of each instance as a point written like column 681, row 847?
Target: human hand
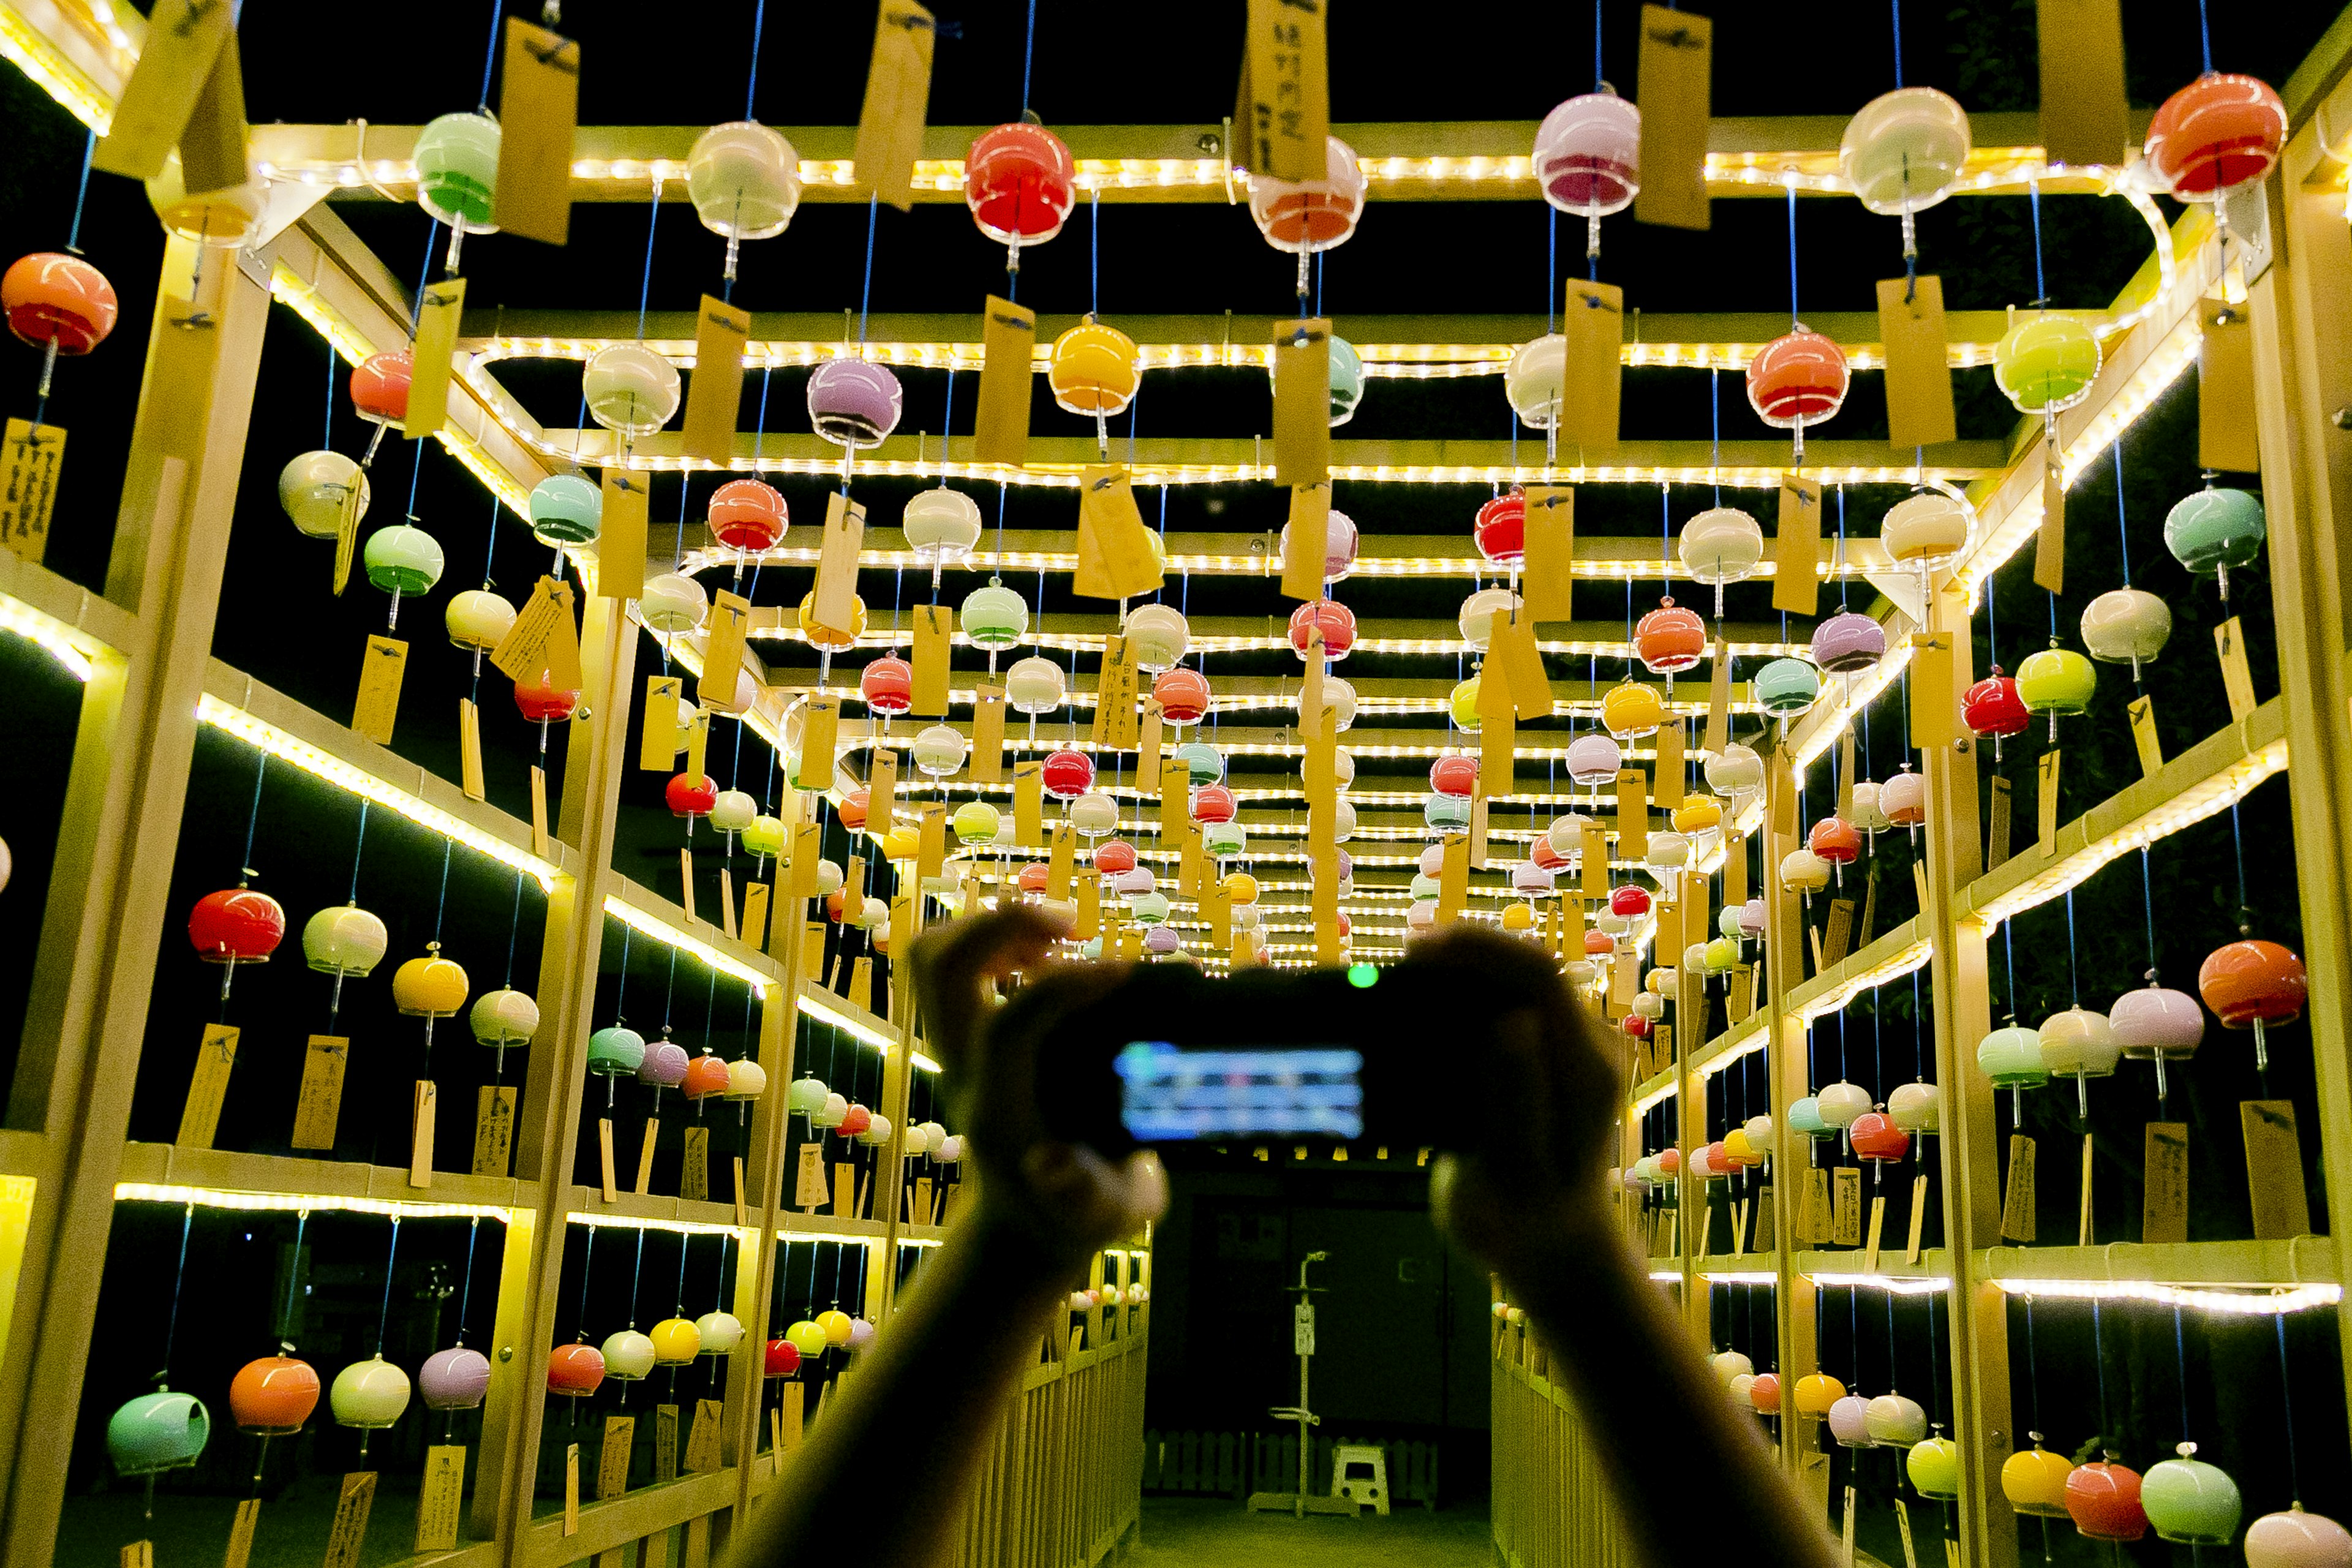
column 1057, row 1202
column 1531, row 1199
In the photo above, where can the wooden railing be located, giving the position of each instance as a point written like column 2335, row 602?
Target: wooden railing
column 1064, row 1479
column 1551, row 1506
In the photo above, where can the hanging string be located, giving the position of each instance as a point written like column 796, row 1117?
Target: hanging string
column 180, row 1272
column 1028, row 52
column 2148, row 894
column 490, row 52
column 1596, row 46
column 2073, row 981
column 751, row 89
column 865, row 290
column 1841, row 565
column 2099, row 1364
column 514, row 925
column 327, row 433
column 252, row 818
column 2204, row 37
column 2033, row 203
column 587, row 1267
column 2238, row 850
column 81, row 191
column 1551, row 273
column 443, row 903
column 293, row 1273
column 1093, row 253
column 1898, row 6
column 2123, row 529
column 2286, row 1398
column 645, row 284
column 1715, row 422
column 383, row 1314
column 1792, row 254
column 358, row 843
column 466, row 1281
column 2180, row 1353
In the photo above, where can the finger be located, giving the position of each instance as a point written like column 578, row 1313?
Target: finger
column 952, row 963
column 1001, row 1065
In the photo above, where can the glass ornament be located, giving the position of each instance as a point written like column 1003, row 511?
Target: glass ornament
column 224, row 219
column 2103, row 1500
column 457, row 174
column 993, row 617
column 1934, row 1466
column 886, row 685
column 1734, row 772
column 344, row 939
column 1339, row 540
column 273, row 1395
column 2189, row 1500
column 565, row 509
column 1916, row 1108
column 1535, row 381
column 479, row 619
column 1785, row 687
column 1927, row 529
column 1093, row 369
column 370, row 1395
column 2216, row 529
column 1992, row 710
column 615, row 1051
column 673, row 603
column 2046, row 361
column 1310, row 216
column 1068, row 774
column 1020, row 184
column 1719, row 546
column 628, row 1356
column 237, row 925
column 1594, row 761
column 1347, row 379
column 1894, row 1421
column 2126, row 625
column 748, row 515
column 380, row 390
column 744, row 181
column 940, row 751
column 1158, row 637
column 59, row 303
column 1847, row 642
column 1455, row 774
column 2057, row 681
column 1183, row 695
column 941, row 526
column 1587, row 158
column 1035, row 685
column 2292, row 1539
column 1331, row 619
column 1093, row 813
column 157, row 1432
column 1500, row 530
column 2219, row 133
column 1669, row 639
column 830, row 640
column 630, row 390
column 2011, row 1058
column 2250, row 985
column 1903, row 153
column 1796, row 380
column 503, row 1017
column 854, row 402
column 1478, row 613
column 1462, row 706
column 314, row 487
column 1203, row 764
column 976, row 823
column 1339, row 701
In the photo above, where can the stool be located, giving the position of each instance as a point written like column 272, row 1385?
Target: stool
column 1359, row 1472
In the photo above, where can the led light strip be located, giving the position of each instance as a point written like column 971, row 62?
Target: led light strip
column 1893, row 1284
column 302, row 1202
column 661, row 931
column 211, row 710
column 2245, row 1304
column 1272, row 642
column 610, row 1221
column 716, row 558
column 858, row 1029
column 51, row 634
column 24, row 45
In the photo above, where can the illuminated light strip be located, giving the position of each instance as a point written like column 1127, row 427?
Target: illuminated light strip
column 710, row 559
column 858, row 1029
column 2192, row 806
column 303, row 1203
column 211, row 710
column 661, row 931
column 609, row 1220
column 1893, row 1284
column 873, row 637
column 53, row 635
column 1741, row 1276
column 2275, row 1300
column 26, row 46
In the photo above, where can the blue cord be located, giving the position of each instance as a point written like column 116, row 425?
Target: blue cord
column 1793, row 255
column 2123, row 529
column 359, row 843
column 2073, row 980
column 2286, row 1397
column 1093, row 253
column 2033, row 199
column 1028, row 50
column 1551, row 270
column 1596, row 46
column 73, row 234
column 758, row 22
column 865, row 290
column 646, row 284
column 253, row 818
column 1898, row 6
column 490, row 52
column 2205, row 37
column 2148, row 892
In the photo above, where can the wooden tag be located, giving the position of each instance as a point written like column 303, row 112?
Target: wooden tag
column 1283, row 116
column 1903, row 1527
column 1835, row 942
column 1217, row 911
column 1454, row 880
column 742, row 1197
column 1592, row 319
column 845, row 1190
column 2225, row 388
column 1846, row 774
column 1918, row 1217
column 538, row 108
column 348, row 1533
column 1189, row 862
column 2275, row 1170
column 31, row 457
column 2050, row 540
column 1780, row 791
column 1918, row 370
column 2083, row 1231
column 882, row 791
column 571, row 1488
column 206, row 1090
column 1797, row 549
column 136, row 1555
column 438, row 308
column 934, row 636
column 2047, row 777
column 2017, row 1199
column 1308, row 530
column 1674, row 77
column 238, row 1552
column 808, row 1181
column 722, row 660
column 645, row 1182
column 799, row 880
column 694, row 1175
column 2163, row 1191
column 420, row 1133
column 318, row 1103
column 665, row 1442
column 686, row 883
column 898, row 91
column 861, row 982
column 702, row 1437
column 1115, row 691
column 2237, row 681
column 1029, row 806
column 1718, row 702
column 1302, row 405
column 1935, row 707
column 613, row 1463
column 1149, row 728
column 213, row 144
column 1734, row 868
column 1497, row 738
column 439, row 1498
column 469, row 751
column 834, row 608
column 2084, row 119
column 1478, row 832
column 1089, row 906
column 1008, row 338
column 1058, row 865
column 714, row 394
column 545, row 640
column 987, row 764
column 1633, row 813
column 1878, row 1229
column 1512, row 653
column 1666, row 776
column 1820, row 1225
column 1997, row 834
column 930, row 839
column 2142, row 711
column 494, row 1112
column 1176, row 797
column 381, row 669
column 658, row 736
column 1550, row 544
column 789, row 1426
column 820, row 743
column 183, row 38
column 1846, row 1207
column 1116, row 559
column 612, row 1180
column 1765, row 1240
column 754, row 930
column 1595, row 860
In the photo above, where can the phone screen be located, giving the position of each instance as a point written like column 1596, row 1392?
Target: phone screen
column 1169, row 1095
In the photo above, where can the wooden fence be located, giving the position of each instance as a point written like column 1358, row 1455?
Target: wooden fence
column 1551, row 1503
column 1065, row 1483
